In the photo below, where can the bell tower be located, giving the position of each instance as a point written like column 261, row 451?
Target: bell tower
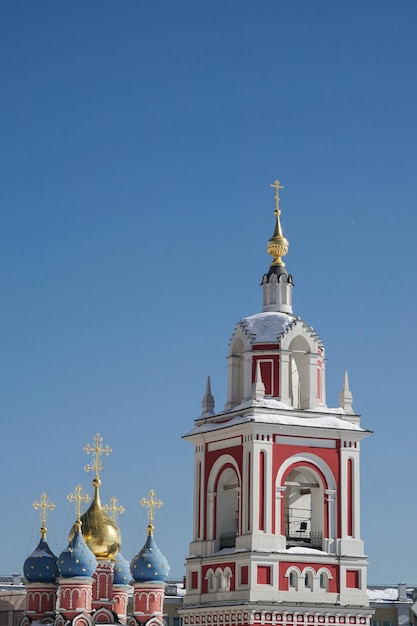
column 276, row 532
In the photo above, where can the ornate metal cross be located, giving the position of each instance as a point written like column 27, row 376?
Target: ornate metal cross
column 43, row 505
column 96, row 464
column 78, row 497
column 277, row 186
column 114, row 509
column 151, row 504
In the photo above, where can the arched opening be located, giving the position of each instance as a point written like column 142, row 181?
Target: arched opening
column 308, row 580
column 299, row 372
column 227, row 509
column 292, row 581
column 324, row 581
column 304, row 508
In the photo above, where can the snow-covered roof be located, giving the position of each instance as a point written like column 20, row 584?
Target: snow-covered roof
column 388, row 595
column 268, row 326
column 325, row 421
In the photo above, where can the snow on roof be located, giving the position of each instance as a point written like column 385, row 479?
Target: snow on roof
column 388, row 595
column 328, row 421
column 267, row 326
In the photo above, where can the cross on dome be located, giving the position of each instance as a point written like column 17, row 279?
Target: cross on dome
column 77, row 496
column 151, row 504
column 114, row 509
column 43, row 505
column 96, row 464
column 277, row 186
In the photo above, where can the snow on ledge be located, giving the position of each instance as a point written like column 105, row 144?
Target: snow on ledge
column 302, row 550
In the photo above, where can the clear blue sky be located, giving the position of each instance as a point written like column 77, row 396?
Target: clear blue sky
column 138, row 143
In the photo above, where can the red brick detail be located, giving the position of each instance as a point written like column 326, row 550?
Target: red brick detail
column 194, row 580
column 263, row 575
column 352, row 579
column 266, row 346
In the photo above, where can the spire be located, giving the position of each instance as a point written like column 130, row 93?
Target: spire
column 208, row 400
column 277, row 246
column 258, row 388
column 345, row 398
column 277, row 284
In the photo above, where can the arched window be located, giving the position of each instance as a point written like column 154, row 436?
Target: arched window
column 211, row 581
column 292, row 581
column 308, row 580
column 304, row 508
column 324, row 581
column 219, row 576
column 226, row 579
column 227, row 517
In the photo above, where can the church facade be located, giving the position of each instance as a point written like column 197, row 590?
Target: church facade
column 276, row 529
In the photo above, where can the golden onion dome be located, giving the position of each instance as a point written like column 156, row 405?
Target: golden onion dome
column 278, row 245
column 99, row 531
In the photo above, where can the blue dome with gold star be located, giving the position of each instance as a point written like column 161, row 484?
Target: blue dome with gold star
column 77, row 559
column 150, row 564
column 41, row 565
column 121, row 571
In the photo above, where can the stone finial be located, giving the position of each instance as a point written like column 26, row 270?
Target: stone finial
column 345, row 398
column 208, row 399
column 258, row 388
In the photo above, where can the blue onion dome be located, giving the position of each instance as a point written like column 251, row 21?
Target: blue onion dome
column 77, row 559
column 150, row 564
column 41, row 565
column 121, row 571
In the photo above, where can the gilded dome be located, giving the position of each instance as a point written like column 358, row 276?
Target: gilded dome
column 99, row 531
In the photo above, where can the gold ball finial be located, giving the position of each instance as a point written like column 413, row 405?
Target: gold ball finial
column 278, row 245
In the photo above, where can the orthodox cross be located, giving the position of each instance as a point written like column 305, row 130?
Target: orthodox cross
column 277, row 186
column 114, row 509
column 78, row 497
column 151, row 504
column 43, row 505
column 96, row 464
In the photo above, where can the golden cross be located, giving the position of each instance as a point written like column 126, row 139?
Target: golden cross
column 78, row 497
column 151, row 504
column 43, row 505
column 97, row 449
column 113, row 509
column 277, row 186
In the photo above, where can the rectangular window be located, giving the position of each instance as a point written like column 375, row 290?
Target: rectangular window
column 194, row 580
column 352, row 579
column 264, row 575
column 244, row 575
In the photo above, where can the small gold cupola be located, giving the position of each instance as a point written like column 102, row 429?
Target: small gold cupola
column 278, row 245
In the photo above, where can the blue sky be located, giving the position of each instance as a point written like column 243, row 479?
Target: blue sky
column 138, row 143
